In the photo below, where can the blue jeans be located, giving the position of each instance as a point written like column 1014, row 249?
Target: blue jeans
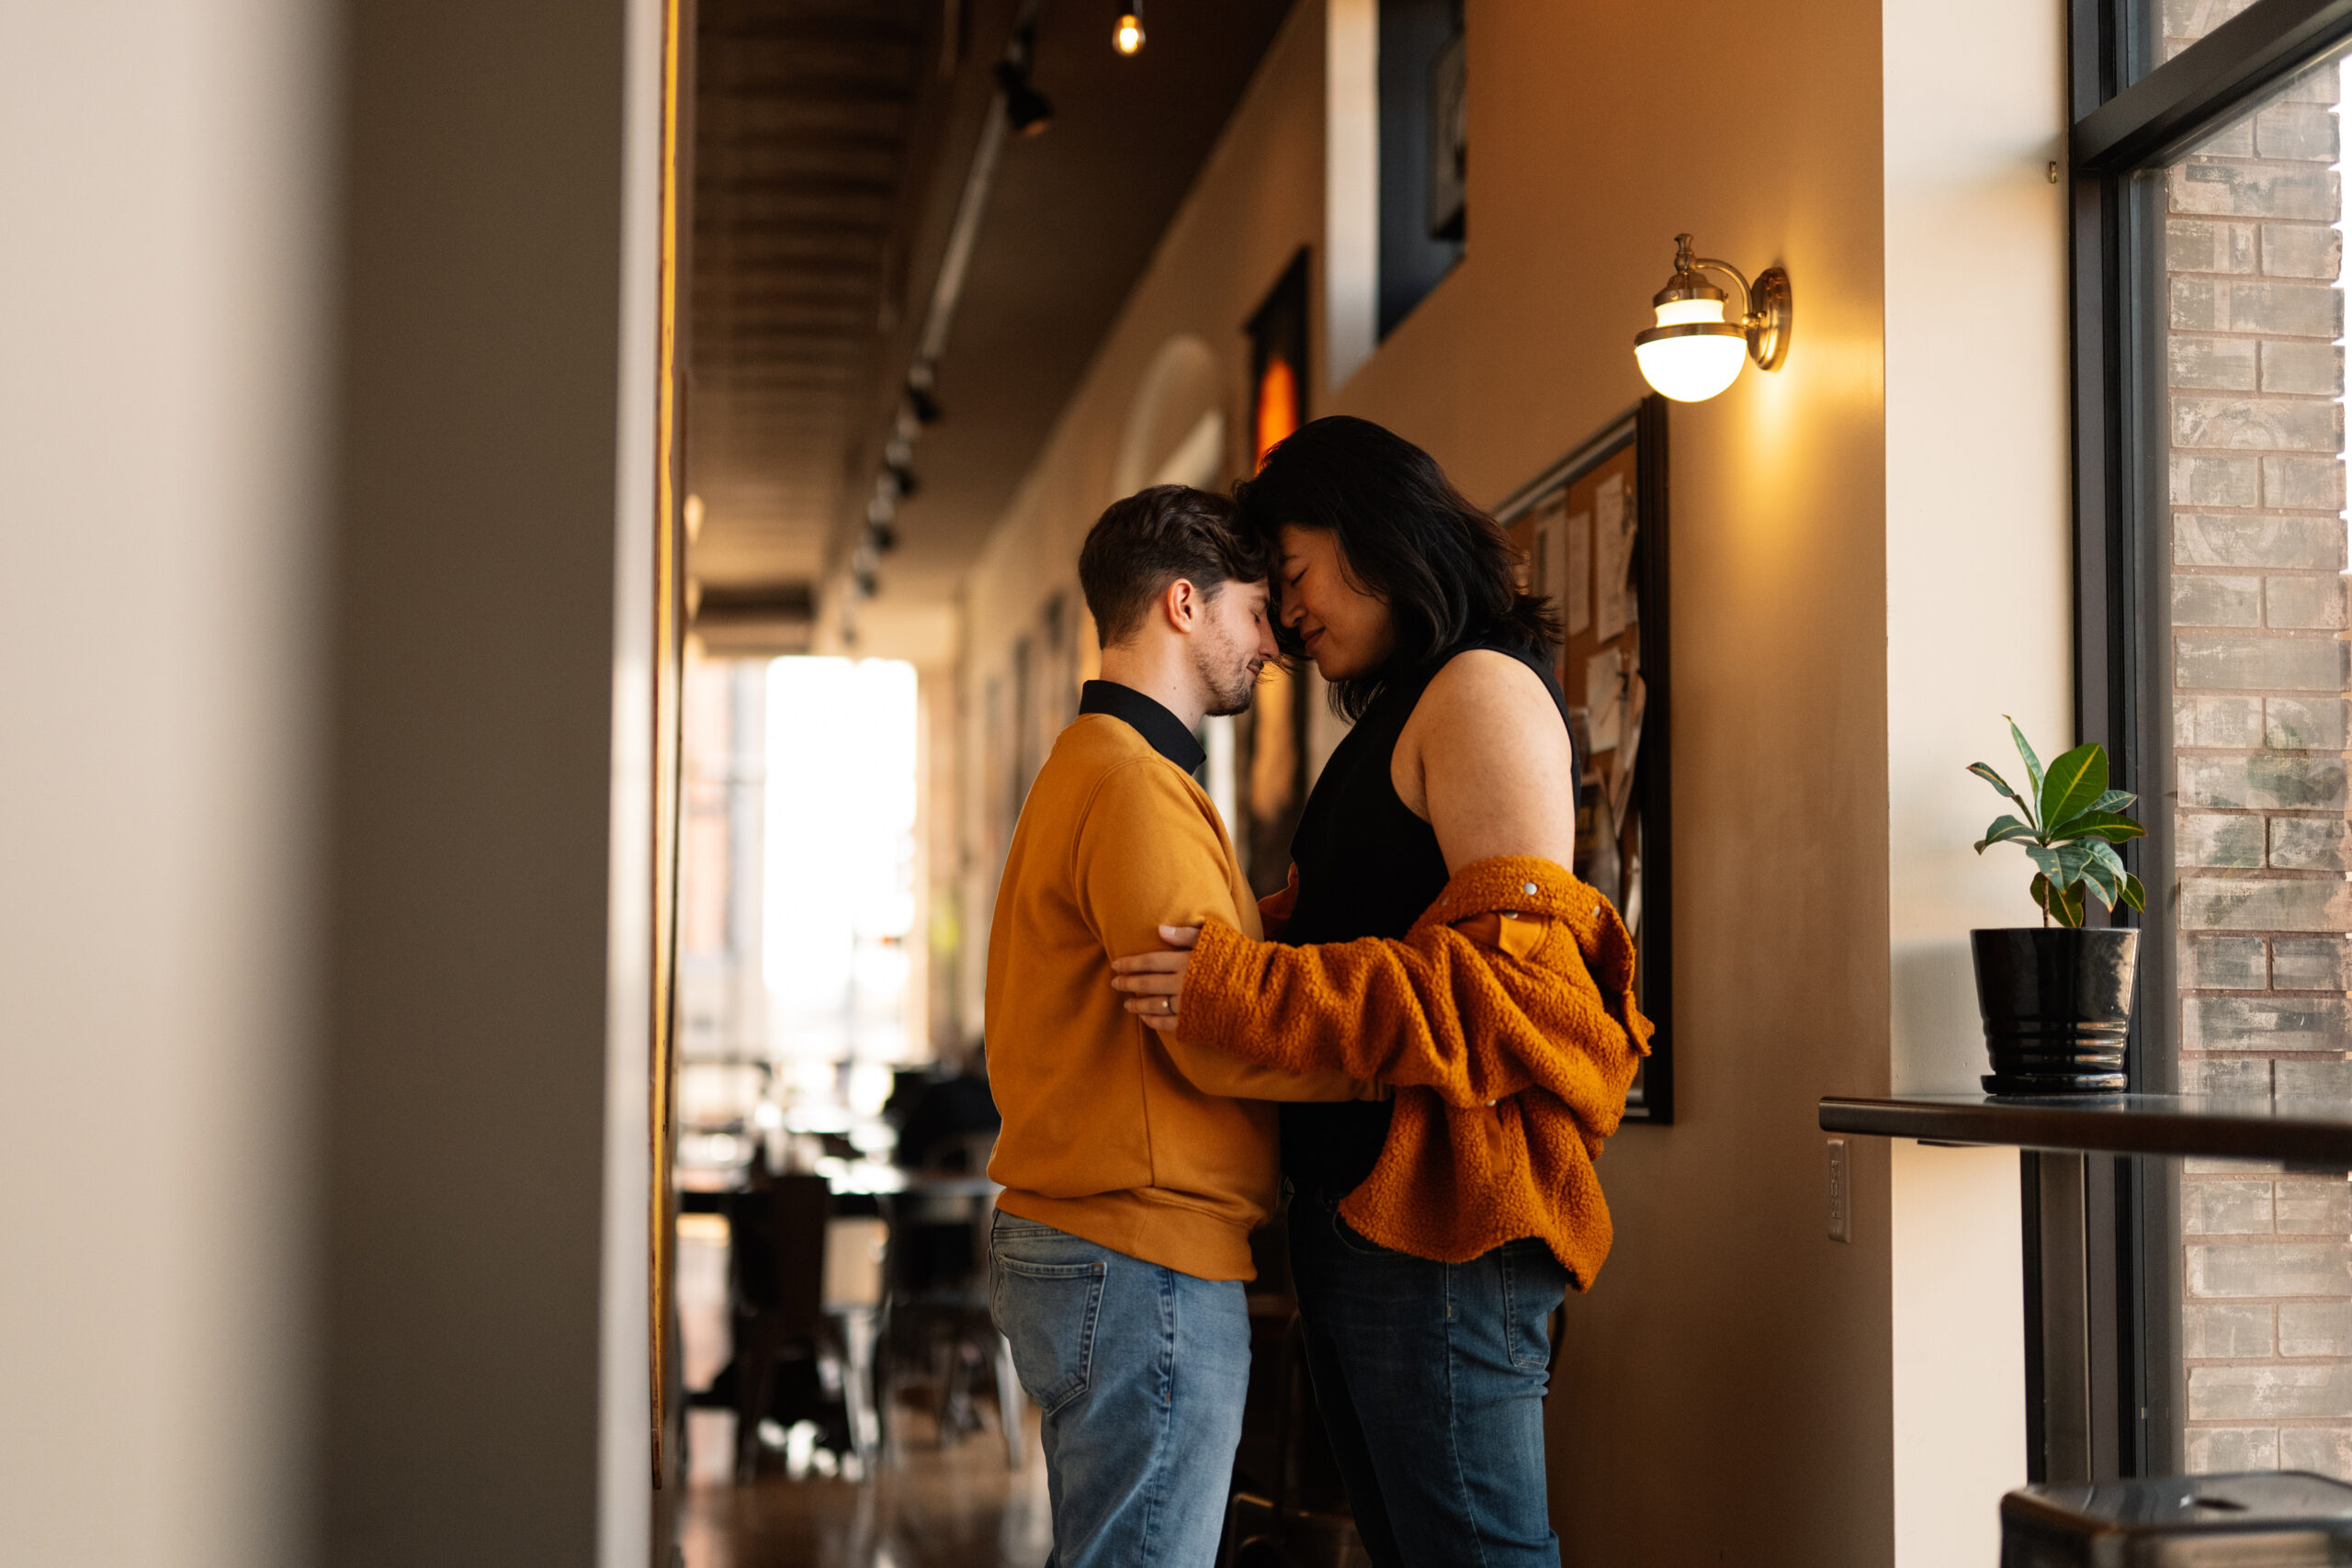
column 1430, row 1378
column 1141, row 1371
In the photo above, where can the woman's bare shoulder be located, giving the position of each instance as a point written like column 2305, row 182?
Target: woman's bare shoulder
column 1484, row 681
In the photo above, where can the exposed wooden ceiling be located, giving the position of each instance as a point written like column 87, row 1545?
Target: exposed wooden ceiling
column 831, row 141
column 803, row 146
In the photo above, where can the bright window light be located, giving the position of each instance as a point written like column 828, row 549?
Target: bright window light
column 841, row 864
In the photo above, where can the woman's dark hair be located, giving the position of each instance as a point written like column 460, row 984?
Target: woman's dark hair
column 1445, row 570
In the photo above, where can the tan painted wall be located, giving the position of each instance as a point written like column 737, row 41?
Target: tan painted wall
column 1732, row 1388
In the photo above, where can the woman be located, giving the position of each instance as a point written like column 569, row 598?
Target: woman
column 1431, row 1236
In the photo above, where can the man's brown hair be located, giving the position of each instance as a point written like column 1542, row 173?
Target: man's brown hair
column 1141, row 545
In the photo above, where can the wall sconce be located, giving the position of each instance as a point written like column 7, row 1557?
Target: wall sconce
column 1693, row 353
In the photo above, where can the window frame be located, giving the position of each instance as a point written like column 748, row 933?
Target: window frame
column 2101, row 1230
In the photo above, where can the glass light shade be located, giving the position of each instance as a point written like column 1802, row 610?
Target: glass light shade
column 1689, row 312
column 1695, row 362
column 1128, row 37
column 1692, row 369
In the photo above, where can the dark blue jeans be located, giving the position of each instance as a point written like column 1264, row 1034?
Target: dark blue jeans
column 1431, row 1377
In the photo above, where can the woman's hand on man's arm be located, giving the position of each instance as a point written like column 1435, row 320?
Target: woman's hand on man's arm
column 1155, row 981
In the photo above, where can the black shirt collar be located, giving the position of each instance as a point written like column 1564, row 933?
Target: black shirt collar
column 1148, row 718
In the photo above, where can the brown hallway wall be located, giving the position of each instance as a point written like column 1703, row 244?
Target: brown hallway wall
column 1724, row 1393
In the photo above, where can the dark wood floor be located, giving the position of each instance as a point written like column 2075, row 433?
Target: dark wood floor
column 929, row 1508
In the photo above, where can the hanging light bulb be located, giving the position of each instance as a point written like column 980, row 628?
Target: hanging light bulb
column 1693, row 352
column 1128, row 36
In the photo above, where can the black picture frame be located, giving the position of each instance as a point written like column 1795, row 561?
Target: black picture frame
column 1278, row 337
column 1643, row 430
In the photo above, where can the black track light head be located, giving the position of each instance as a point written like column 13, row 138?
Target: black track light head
column 1026, row 110
column 922, row 405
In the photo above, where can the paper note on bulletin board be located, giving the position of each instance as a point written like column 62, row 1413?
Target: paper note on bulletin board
column 1612, row 554
column 1602, row 512
column 1591, row 573
column 1575, row 590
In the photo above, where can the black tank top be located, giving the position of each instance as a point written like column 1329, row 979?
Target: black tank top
column 1367, row 866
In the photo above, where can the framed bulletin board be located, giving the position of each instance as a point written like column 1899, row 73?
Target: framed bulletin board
column 1591, row 530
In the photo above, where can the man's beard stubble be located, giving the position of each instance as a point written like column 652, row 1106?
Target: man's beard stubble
column 1231, row 688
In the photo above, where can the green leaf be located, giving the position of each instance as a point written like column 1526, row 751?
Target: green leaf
column 2104, row 825
column 2103, row 853
column 2105, row 881
column 2032, row 762
column 2073, row 782
column 2003, row 830
column 2047, row 859
column 2060, row 906
column 2133, row 894
column 2114, row 800
column 1997, row 782
column 2072, row 861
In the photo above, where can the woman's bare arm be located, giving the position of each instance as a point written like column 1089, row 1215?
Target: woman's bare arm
column 1486, row 762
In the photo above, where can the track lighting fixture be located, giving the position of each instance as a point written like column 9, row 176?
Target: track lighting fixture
column 902, row 480
column 1128, row 36
column 922, row 405
column 883, row 536
column 1028, row 111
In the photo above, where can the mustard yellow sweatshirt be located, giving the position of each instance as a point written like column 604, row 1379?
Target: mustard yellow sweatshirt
column 1137, row 1141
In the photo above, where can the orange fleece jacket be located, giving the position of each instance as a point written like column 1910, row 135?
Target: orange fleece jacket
column 1148, row 1145
column 1505, row 1019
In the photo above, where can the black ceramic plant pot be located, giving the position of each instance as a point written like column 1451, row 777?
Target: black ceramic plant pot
column 2057, row 1006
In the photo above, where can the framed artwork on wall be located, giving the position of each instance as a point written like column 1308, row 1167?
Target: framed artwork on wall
column 1591, row 530
column 1270, row 740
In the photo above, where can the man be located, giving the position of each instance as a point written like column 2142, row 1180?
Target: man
column 1134, row 1165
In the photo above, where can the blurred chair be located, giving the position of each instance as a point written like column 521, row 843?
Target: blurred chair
column 807, row 1286
column 937, row 1325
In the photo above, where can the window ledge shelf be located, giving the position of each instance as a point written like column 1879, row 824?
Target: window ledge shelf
column 2306, row 1131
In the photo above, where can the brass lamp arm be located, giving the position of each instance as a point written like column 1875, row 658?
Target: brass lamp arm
column 1746, row 294
column 1765, row 309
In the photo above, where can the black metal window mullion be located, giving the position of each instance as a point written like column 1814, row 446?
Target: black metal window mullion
column 2139, row 126
column 2131, row 115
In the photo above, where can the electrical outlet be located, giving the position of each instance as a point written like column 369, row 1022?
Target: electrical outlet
column 1841, row 1192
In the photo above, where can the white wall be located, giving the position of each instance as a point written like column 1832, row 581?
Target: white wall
column 1979, row 621
column 324, row 416
column 162, row 294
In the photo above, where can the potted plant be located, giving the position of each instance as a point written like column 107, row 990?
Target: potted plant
column 2057, row 997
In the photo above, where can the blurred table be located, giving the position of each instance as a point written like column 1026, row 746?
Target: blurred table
column 705, row 1190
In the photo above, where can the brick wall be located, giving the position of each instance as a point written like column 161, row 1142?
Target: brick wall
column 2260, row 672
